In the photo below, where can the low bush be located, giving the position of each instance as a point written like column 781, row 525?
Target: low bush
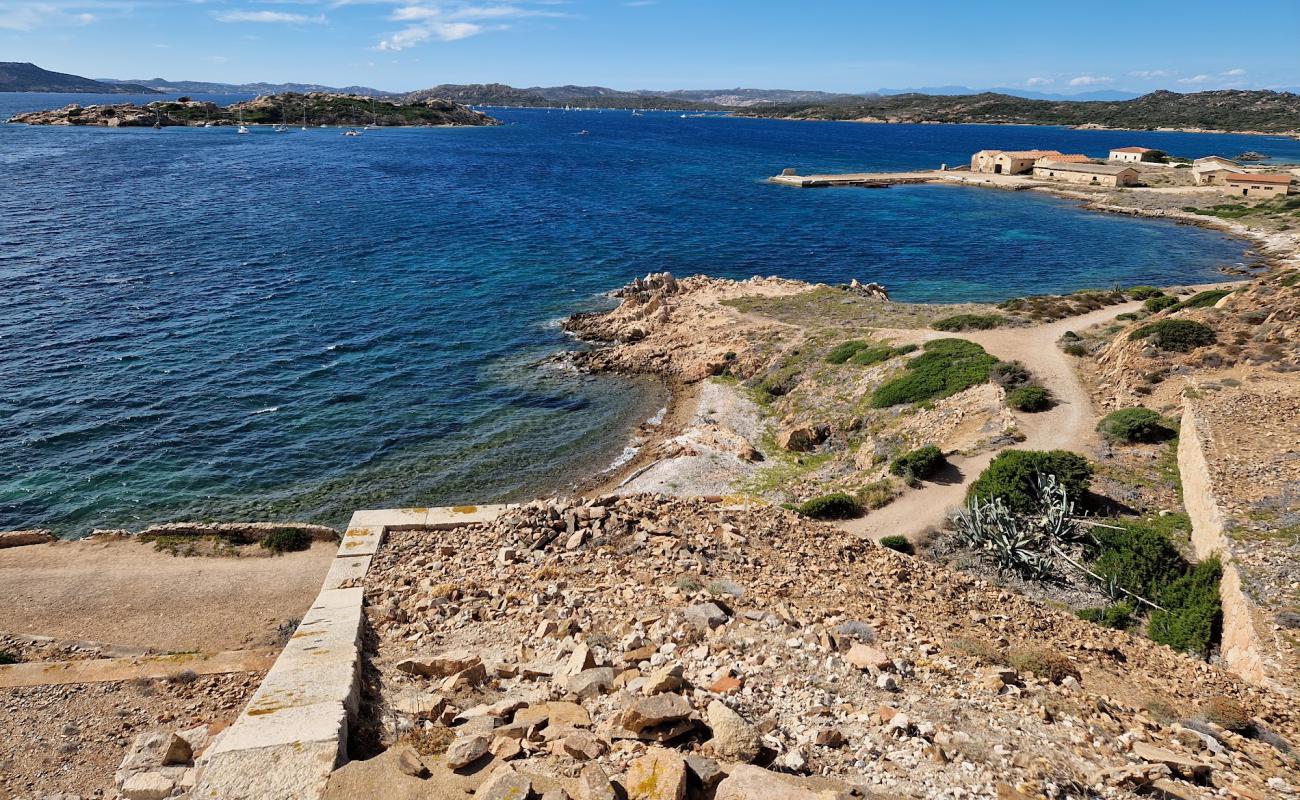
column 287, row 540
column 10, row 657
column 1009, row 374
column 1118, row 616
column 1143, row 292
column 837, row 505
column 1137, row 557
column 1204, row 299
column 1193, row 615
column 1177, row 335
column 844, row 351
column 968, row 322
column 1159, row 303
column 778, row 383
column 1011, row 476
column 877, row 494
column 1134, row 425
column 920, row 463
column 1050, row 664
column 947, row 367
column 1075, row 349
column 898, row 543
column 1030, row 399
column 875, row 355
column 1228, row 714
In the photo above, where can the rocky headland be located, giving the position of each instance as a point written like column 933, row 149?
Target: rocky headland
column 293, row 109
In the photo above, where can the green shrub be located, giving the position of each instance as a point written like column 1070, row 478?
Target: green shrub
column 837, row 505
column 287, row 540
column 1009, row 374
column 877, row 494
column 1030, row 399
column 1012, row 473
column 1204, row 299
column 1137, row 558
column 1193, row 615
column 1118, row 616
column 920, row 463
column 1144, row 292
column 1159, row 303
column 1050, row 664
column 779, row 382
column 947, row 367
column 844, row 351
column 898, row 543
column 968, row 322
column 1132, row 425
column 875, row 355
column 1075, row 349
column 10, row 657
column 1177, row 335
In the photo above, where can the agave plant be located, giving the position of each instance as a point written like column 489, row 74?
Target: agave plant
column 1027, row 544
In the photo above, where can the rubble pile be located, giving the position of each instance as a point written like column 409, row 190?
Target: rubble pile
column 649, row 647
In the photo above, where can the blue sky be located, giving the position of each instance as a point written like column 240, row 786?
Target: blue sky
column 836, row 45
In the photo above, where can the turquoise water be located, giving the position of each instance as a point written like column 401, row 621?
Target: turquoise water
column 195, row 324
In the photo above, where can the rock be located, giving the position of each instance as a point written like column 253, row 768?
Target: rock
column 593, row 784
column 584, row 746
column 754, row 783
column 801, row 438
column 706, row 616
column 555, row 794
column 658, row 775
column 886, row 682
column 147, row 786
column 409, row 763
column 647, row 712
column 581, row 659
column 664, row 679
column 425, row 705
column 439, row 666
column 793, row 760
column 591, row 682
column 505, row 784
column 858, row 631
column 466, row 750
column 1181, row 765
column 157, row 749
column 733, row 739
column 704, row 773
column 24, row 538
column 866, row 657
column 830, row 737
column 467, row 678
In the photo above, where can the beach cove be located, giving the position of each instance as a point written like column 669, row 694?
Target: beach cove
column 367, row 376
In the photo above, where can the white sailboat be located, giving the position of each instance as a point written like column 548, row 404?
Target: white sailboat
column 243, row 129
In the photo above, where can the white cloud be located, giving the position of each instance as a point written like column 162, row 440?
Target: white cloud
column 506, row 11
column 452, row 21
column 268, row 17
column 1235, row 73
column 1038, row 81
column 1148, row 74
column 29, row 16
column 408, row 13
column 1090, row 80
column 418, row 34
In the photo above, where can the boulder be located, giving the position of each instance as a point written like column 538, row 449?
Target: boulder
column 660, row 774
column 439, row 666
column 755, row 783
column 866, row 657
column 801, row 438
column 506, row 784
column 583, row 746
column 647, row 712
column 157, row 749
column 706, row 616
column 466, row 750
column 734, row 739
column 24, row 538
column 591, row 682
column 594, row 784
column 147, row 786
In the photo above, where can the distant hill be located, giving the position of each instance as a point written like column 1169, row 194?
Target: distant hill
column 1228, row 109
column 205, row 87
column 499, row 94
column 20, row 76
column 1101, row 94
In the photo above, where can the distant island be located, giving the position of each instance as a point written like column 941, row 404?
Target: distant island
column 290, row 108
column 20, row 76
column 1261, row 111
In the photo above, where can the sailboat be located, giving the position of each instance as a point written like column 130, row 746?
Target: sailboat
column 374, row 118
column 304, row 114
column 243, row 129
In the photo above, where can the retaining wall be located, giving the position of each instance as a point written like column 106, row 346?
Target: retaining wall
column 294, row 730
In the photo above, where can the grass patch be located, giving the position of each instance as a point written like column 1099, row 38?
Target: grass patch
column 946, row 367
column 1203, row 299
column 287, row 540
column 969, row 322
column 1159, row 303
column 1143, row 292
column 898, row 543
column 877, row 494
column 1176, row 335
column 844, row 351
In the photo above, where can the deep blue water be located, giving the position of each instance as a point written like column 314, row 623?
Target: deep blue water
column 195, row 324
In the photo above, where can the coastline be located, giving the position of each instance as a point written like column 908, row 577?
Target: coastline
column 1293, row 134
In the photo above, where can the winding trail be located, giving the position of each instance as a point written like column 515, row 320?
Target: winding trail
column 1069, row 425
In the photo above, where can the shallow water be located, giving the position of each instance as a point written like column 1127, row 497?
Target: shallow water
column 195, row 324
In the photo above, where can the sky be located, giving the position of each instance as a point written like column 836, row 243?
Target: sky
column 833, row 45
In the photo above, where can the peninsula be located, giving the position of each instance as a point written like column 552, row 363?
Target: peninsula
column 290, row 108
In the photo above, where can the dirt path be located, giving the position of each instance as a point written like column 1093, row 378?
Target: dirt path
column 1068, row 426
column 104, row 670
column 126, row 593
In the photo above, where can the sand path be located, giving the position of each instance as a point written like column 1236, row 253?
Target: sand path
column 125, row 593
column 1069, row 425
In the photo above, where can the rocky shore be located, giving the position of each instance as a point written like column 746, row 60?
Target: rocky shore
column 314, row 109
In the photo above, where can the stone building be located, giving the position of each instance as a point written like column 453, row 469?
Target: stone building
column 1008, row 162
column 1211, row 170
column 1257, row 185
column 1091, row 174
column 1133, row 155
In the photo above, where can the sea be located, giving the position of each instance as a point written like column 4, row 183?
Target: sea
column 198, row 325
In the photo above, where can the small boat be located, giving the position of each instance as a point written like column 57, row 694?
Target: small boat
column 243, row 129
column 683, row 116
column 352, row 132
column 583, row 133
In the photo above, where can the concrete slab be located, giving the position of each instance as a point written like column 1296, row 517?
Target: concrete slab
column 99, row 670
column 361, row 540
column 391, row 518
column 347, row 571
column 285, row 772
column 448, row 517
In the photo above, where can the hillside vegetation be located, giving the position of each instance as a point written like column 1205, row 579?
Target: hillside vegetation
column 1230, row 110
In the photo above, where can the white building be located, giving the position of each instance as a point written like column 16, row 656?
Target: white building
column 1212, row 170
column 1133, row 155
